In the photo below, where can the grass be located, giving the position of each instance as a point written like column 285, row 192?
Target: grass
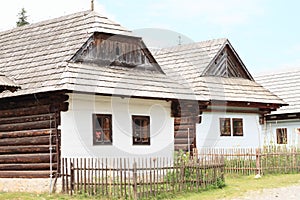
column 235, row 186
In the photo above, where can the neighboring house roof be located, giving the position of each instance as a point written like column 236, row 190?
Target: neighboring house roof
column 285, row 84
column 39, row 58
column 214, row 71
column 7, row 84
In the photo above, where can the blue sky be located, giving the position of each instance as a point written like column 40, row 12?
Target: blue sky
column 265, row 33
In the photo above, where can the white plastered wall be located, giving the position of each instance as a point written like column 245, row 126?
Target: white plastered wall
column 76, row 127
column 208, row 131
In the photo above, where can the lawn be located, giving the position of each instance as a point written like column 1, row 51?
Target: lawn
column 235, row 186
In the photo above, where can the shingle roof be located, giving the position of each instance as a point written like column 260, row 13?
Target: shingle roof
column 6, row 82
column 189, row 63
column 37, row 57
column 286, row 85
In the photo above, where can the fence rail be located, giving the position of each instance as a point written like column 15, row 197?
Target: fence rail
column 248, row 161
column 141, row 178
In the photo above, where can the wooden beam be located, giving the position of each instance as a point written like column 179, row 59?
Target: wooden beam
column 25, row 149
column 27, row 158
column 25, row 174
column 38, row 140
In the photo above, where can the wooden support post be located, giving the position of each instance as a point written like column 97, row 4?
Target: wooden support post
column 258, row 157
column 134, row 180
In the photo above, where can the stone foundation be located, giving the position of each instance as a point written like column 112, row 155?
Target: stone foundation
column 34, row 185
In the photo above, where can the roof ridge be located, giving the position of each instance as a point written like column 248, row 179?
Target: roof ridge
column 40, row 23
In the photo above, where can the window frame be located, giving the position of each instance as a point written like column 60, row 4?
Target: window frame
column 138, row 140
column 100, row 129
column 222, row 122
column 283, row 138
column 234, row 131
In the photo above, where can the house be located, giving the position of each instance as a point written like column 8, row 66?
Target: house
column 88, row 89
column 237, row 104
column 283, row 125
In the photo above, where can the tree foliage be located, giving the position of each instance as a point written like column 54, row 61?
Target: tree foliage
column 22, row 18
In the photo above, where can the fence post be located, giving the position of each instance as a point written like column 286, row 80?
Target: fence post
column 258, row 156
column 72, row 178
column 134, row 180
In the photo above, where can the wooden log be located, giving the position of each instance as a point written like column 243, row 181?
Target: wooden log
column 34, row 110
column 27, row 126
column 184, row 127
column 27, row 158
column 27, row 133
column 25, row 174
column 25, row 119
column 38, row 140
column 26, row 166
column 26, row 149
column 31, row 100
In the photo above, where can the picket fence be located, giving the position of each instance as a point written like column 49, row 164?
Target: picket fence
column 249, row 161
column 128, row 178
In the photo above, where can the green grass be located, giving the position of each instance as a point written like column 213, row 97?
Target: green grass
column 239, row 185
column 235, row 186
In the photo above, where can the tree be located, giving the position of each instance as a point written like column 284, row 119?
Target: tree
column 22, row 18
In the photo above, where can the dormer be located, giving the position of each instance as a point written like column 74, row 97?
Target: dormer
column 105, row 49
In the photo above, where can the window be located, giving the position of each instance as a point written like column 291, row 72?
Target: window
column 281, row 135
column 225, row 126
column 235, row 130
column 141, row 130
column 237, row 127
column 102, row 129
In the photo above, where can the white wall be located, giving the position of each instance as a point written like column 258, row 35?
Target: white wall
column 293, row 137
column 76, row 127
column 208, row 132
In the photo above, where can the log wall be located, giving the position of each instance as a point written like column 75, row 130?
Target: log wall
column 29, row 135
column 186, row 114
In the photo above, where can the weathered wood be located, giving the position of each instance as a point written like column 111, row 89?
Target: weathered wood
column 25, row 149
column 26, row 166
column 27, row 158
column 27, row 125
column 34, row 110
column 32, row 100
column 38, row 140
column 27, row 133
column 25, row 174
column 25, row 119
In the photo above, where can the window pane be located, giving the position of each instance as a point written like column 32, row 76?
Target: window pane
column 225, row 126
column 141, row 130
column 281, row 135
column 237, row 127
column 102, row 129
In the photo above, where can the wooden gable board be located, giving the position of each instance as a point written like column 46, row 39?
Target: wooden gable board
column 116, row 50
column 227, row 63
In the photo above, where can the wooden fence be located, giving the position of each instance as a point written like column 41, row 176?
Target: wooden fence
column 248, row 161
column 140, row 178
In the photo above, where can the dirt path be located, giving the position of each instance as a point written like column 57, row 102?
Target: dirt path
column 283, row 193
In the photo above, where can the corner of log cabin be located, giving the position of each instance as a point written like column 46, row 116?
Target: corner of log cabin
column 28, row 130
column 186, row 115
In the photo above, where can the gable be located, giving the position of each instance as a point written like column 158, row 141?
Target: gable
column 116, row 50
column 228, row 65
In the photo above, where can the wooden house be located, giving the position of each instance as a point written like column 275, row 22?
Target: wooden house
column 88, row 89
column 283, row 125
column 237, row 104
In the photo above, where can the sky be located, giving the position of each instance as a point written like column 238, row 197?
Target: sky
column 265, row 33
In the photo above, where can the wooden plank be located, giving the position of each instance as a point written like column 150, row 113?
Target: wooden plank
column 26, row 166
column 34, row 110
column 27, row 133
column 27, row 126
column 25, row 174
column 25, row 149
column 38, row 140
column 27, row 158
